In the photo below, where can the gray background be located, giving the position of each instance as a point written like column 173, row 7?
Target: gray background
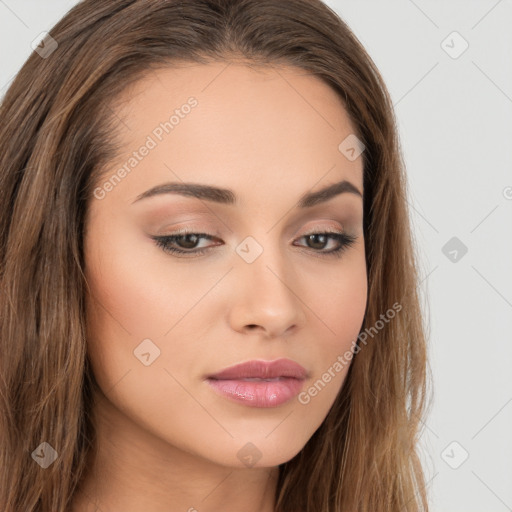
column 455, row 121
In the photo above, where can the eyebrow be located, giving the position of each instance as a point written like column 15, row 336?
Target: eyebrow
column 228, row 197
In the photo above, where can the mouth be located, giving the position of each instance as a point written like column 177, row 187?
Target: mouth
column 255, row 392
column 265, row 370
column 259, row 383
column 253, row 379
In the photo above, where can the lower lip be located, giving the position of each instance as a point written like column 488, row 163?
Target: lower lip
column 271, row 393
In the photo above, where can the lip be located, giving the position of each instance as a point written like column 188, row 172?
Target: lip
column 260, row 383
column 259, row 369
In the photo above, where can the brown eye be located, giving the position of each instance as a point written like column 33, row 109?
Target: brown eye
column 183, row 244
column 318, row 242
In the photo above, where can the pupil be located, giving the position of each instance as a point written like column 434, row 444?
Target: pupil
column 190, row 244
column 313, row 238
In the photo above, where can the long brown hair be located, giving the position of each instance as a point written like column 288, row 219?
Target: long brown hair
column 57, row 132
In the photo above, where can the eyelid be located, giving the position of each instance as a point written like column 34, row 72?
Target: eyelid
column 320, row 227
column 215, row 234
column 346, row 239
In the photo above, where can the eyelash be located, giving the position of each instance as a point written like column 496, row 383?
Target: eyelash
column 164, row 242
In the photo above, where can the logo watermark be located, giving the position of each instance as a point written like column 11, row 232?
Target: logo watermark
column 343, row 360
column 152, row 141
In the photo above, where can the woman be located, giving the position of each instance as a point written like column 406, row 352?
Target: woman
column 209, row 286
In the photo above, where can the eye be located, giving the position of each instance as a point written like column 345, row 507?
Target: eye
column 318, row 241
column 188, row 241
column 184, row 243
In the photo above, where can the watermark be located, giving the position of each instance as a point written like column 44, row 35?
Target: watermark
column 352, row 147
column 45, row 455
column 146, row 352
column 343, row 360
column 249, row 249
column 249, row 454
column 152, row 141
column 454, row 249
column 454, row 44
column 455, row 455
column 44, row 45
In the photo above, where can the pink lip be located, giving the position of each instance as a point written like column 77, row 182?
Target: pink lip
column 287, row 379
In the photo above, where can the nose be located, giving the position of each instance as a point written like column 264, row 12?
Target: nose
column 267, row 299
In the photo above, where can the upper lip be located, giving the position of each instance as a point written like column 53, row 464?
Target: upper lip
column 263, row 370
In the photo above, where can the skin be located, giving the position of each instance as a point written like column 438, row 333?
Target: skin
column 167, row 441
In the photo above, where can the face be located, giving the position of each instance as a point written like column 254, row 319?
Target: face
column 266, row 270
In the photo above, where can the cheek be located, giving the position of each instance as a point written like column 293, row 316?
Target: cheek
column 340, row 302
column 344, row 303
column 137, row 294
column 339, row 306
column 133, row 291
column 123, row 306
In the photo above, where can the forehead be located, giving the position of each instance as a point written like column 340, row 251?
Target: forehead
column 248, row 125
